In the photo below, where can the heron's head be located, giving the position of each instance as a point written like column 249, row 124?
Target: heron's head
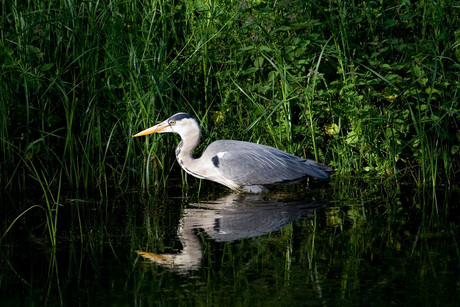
column 181, row 123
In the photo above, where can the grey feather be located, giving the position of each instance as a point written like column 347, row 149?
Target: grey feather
column 256, row 164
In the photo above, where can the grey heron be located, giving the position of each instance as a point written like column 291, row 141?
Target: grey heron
column 241, row 166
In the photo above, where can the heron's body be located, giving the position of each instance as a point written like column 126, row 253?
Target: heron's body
column 241, row 166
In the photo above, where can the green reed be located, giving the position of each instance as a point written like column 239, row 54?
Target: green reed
column 51, row 198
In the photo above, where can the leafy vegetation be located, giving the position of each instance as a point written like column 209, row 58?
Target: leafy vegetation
column 370, row 88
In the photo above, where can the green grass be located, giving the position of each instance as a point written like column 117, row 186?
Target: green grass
column 51, row 198
column 370, row 89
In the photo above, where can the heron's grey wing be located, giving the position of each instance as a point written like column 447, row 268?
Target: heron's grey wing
column 262, row 165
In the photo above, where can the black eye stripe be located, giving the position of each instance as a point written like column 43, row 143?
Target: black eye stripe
column 180, row 116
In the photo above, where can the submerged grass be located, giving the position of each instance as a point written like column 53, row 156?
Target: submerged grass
column 51, row 200
column 368, row 88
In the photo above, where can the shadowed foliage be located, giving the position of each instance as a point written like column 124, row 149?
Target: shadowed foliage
column 368, row 88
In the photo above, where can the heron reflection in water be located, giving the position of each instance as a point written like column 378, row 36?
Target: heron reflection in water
column 241, row 166
column 230, row 218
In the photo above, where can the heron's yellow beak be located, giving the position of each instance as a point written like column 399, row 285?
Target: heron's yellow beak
column 157, row 128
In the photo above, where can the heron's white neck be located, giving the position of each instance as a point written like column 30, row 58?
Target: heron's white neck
column 184, row 151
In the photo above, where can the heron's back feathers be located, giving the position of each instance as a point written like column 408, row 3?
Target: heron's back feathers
column 245, row 164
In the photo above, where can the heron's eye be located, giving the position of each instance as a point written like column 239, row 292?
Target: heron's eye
column 172, row 122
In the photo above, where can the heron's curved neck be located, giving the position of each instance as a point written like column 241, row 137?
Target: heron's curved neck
column 184, row 151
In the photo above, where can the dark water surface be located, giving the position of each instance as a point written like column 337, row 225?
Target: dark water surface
column 335, row 244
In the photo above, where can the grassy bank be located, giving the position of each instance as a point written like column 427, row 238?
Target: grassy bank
column 368, row 88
